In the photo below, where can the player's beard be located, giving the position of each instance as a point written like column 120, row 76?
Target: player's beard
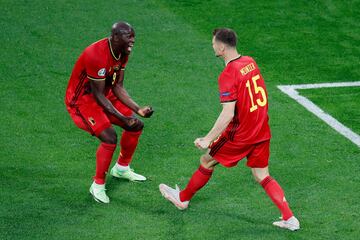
column 218, row 54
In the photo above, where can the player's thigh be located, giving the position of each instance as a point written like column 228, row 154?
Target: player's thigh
column 90, row 117
column 259, row 156
column 228, row 153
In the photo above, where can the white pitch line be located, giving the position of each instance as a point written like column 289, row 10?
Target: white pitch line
column 324, row 85
column 310, row 106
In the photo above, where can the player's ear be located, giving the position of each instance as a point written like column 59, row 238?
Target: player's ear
column 222, row 47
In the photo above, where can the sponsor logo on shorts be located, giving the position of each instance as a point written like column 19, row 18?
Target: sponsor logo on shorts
column 102, row 72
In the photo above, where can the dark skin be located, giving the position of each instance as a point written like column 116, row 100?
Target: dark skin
column 122, row 39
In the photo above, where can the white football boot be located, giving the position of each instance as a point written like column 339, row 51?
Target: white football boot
column 292, row 224
column 98, row 193
column 128, row 174
column 173, row 195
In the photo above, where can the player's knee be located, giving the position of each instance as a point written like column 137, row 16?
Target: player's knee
column 112, row 139
column 260, row 174
column 138, row 126
column 257, row 178
column 207, row 162
column 203, row 160
column 108, row 136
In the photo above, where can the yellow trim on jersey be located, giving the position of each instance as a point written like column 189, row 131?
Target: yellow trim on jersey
column 96, row 79
column 112, row 52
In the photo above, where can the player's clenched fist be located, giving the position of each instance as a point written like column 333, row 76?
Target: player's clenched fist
column 146, row 111
column 202, row 143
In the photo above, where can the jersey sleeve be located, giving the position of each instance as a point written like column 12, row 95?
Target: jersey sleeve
column 95, row 67
column 227, row 88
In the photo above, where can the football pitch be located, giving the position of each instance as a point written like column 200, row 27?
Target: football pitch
column 47, row 163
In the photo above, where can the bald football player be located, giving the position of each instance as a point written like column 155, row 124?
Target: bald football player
column 96, row 99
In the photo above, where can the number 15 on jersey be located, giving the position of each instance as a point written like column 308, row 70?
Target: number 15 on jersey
column 260, row 100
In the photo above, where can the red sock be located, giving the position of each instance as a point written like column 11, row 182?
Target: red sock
column 200, row 177
column 275, row 192
column 104, row 155
column 128, row 144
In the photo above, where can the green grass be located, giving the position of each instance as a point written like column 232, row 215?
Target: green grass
column 341, row 103
column 47, row 163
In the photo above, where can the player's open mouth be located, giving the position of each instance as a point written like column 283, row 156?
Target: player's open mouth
column 130, row 46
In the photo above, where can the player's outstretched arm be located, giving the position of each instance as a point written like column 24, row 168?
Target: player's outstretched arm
column 121, row 93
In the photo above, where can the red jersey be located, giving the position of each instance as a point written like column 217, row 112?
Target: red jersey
column 97, row 63
column 242, row 82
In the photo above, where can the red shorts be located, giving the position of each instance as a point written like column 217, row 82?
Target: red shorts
column 90, row 116
column 228, row 154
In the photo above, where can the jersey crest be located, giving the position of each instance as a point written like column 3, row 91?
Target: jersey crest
column 102, row 72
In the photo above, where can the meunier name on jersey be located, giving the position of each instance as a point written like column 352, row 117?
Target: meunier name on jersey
column 248, row 68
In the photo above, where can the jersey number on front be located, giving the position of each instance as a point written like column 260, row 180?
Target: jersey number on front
column 259, row 101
